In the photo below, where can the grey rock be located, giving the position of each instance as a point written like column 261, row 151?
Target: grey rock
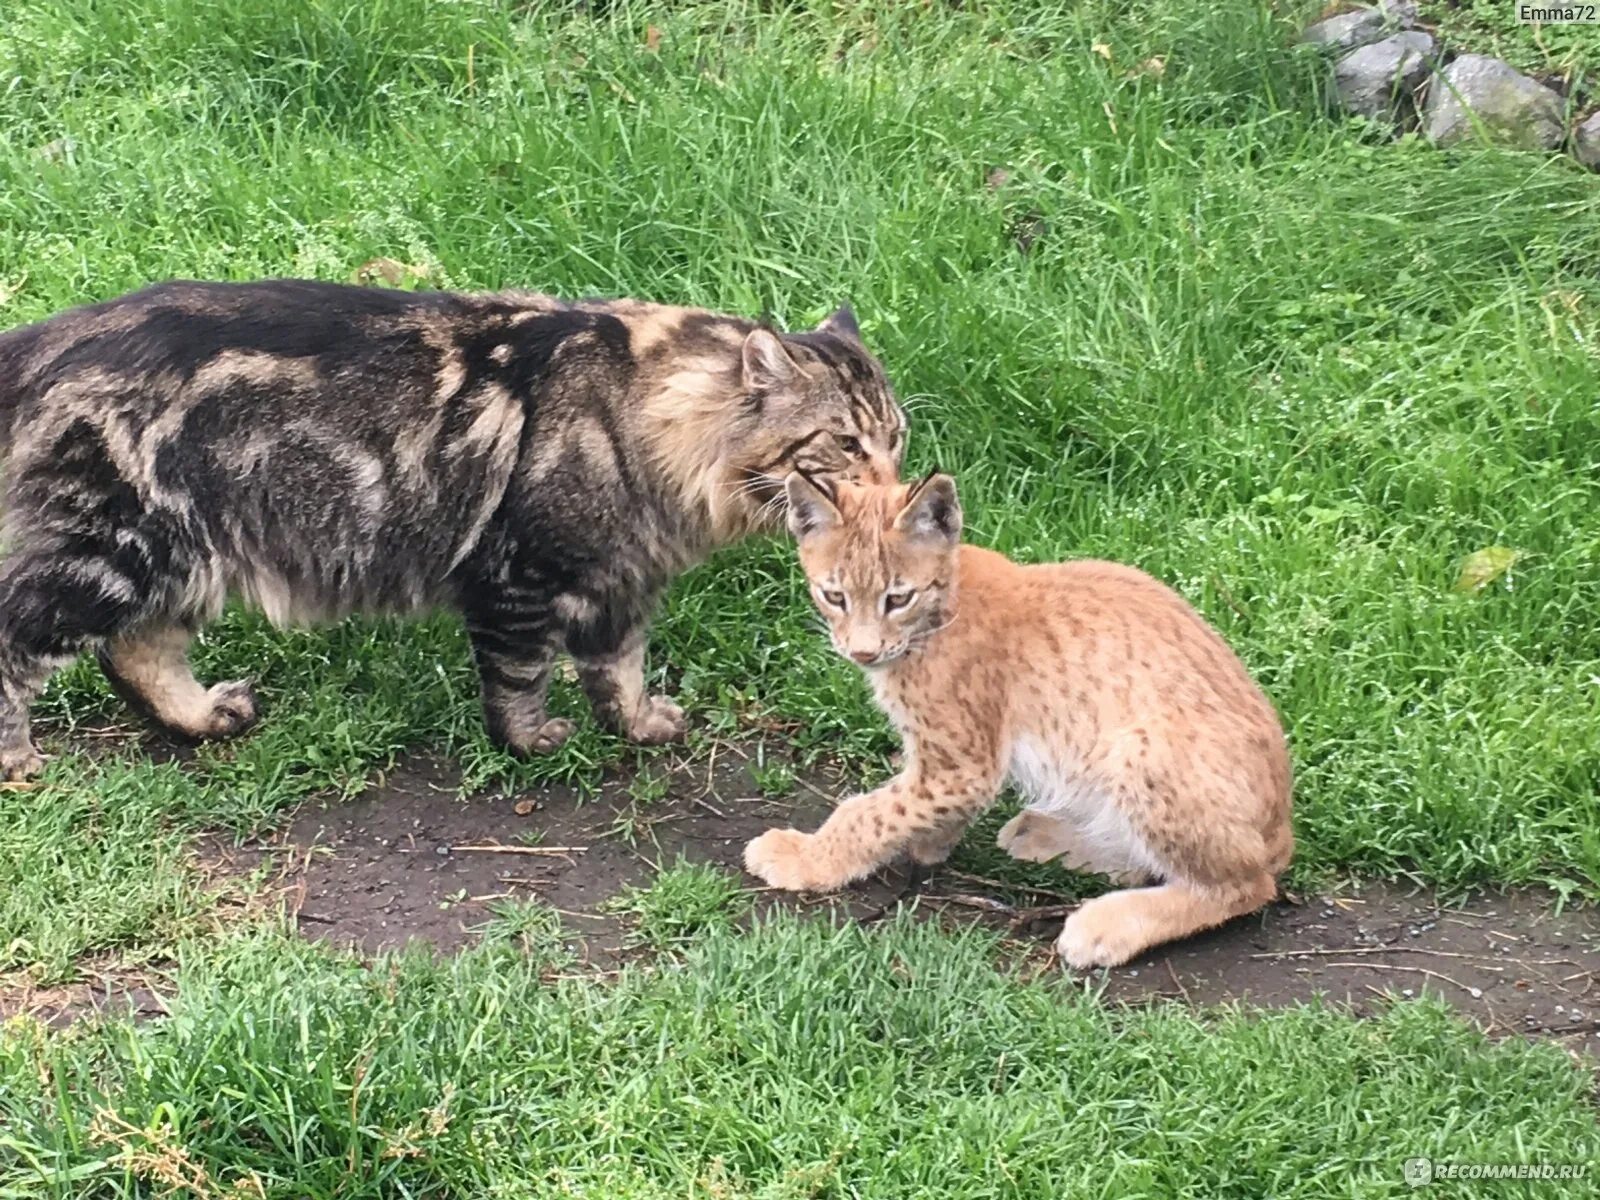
column 1586, row 142
column 1362, row 26
column 1514, row 110
column 1374, row 79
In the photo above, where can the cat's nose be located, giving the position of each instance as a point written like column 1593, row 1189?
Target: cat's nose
column 863, row 656
column 880, row 469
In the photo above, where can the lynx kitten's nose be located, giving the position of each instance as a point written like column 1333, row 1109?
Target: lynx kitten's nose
column 863, row 656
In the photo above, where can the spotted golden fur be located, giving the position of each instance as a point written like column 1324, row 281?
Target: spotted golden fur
column 1141, row 745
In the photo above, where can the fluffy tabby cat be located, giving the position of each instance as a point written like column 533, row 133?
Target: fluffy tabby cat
column 1142, row 747
column 317, row 449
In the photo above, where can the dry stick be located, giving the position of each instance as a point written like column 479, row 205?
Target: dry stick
column 1310, row 953
column 1026, row 916
column 1580, row 1027
column 985, row 903
column 1177, row 981
column 1371, row 966
column 537, row 851
column 1009, row 887
column 711, row 779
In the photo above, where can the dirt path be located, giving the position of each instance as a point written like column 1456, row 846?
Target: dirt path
column 398, row 864
column 409, row 861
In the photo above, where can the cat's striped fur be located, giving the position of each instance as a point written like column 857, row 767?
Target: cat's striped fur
column 317, row 449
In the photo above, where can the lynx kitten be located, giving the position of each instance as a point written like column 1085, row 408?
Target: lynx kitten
column 1143, row 748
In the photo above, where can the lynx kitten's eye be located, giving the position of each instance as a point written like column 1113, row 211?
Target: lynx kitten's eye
column 832, row 599
column 894, row 600
column 851, row 446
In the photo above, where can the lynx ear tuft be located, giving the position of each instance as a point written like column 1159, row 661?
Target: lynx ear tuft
column 931, row 510
column 811, row 508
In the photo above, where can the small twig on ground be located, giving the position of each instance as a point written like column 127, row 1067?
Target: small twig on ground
column 702, row 802
column 1580, row 1027
column 535, row 851
column 1042, row 912
column 1031, row 889
column 1177, row 981
column 1313, row 953
column 1372, row 966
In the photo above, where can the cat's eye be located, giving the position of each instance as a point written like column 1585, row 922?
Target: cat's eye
column 851, row 446
column 896, row 600
column 833, row 599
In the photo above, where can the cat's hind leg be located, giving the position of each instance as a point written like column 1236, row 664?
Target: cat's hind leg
column 613, row 679
column 55, row 601
column 1114, row 928
column 150, row 669
column 514, row 642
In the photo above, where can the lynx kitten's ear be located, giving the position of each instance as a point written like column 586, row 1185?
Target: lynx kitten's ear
column 842, row 323
column 931, row 510
column 811, row 510
column 767, row 365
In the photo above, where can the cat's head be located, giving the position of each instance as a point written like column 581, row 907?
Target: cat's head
column 880, row 559
column 819, row 403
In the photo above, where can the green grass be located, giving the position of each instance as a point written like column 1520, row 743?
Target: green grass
column 1490, row 27
column 802, row 1062
column 1298, row 375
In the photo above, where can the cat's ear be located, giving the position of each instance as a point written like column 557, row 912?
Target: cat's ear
column 931, row 510
column 842, row 323
column 767, row 365
column 811, row 508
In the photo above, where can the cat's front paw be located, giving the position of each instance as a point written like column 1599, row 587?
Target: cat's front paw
column 21, row 764
column 233, row 710
column 781, row 858
column 658, row 721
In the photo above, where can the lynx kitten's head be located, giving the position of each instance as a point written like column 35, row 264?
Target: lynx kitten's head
column 881, row 560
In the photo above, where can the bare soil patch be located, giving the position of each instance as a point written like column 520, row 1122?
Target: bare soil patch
column 412, row 861
column 405, row 862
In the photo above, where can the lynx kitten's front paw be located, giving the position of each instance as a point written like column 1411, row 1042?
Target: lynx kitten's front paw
column 1099, row 936
column 780, row 859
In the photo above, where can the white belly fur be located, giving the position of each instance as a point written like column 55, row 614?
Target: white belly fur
column 1067, row 793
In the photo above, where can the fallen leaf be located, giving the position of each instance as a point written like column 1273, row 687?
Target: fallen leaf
column 1483, row 567
column 1155, row 67
column 652, row 39
column 1103, row 50
column 60, row 150
column 390, row 270
column 523, row 807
